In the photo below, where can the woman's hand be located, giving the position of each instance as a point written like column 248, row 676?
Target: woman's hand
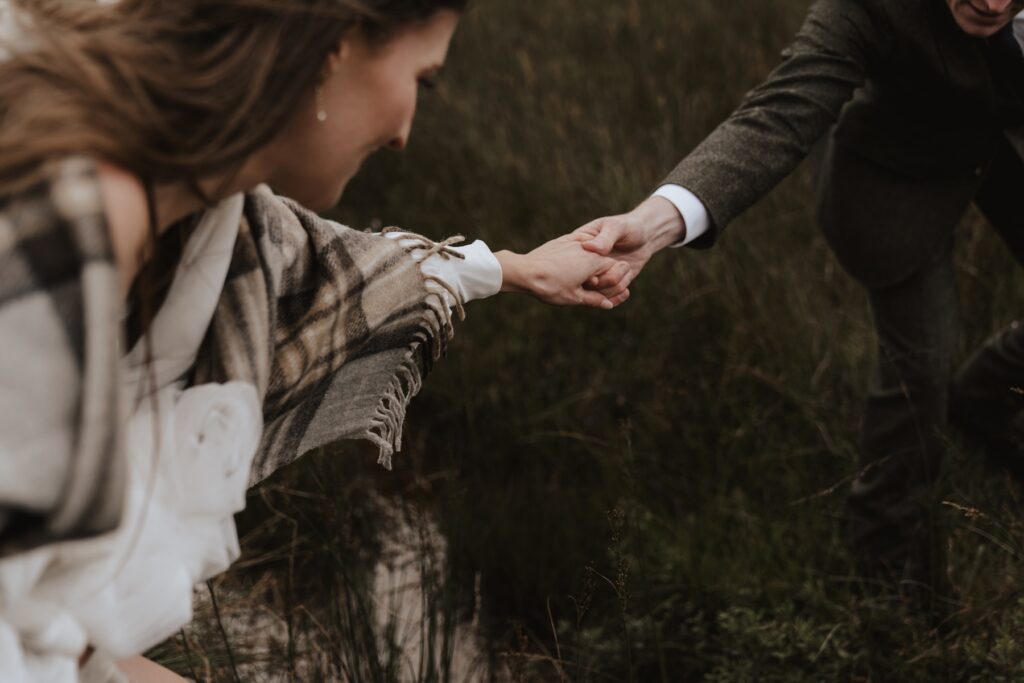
column 557, row 271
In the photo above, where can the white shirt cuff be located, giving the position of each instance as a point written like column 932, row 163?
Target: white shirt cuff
column 477, row 276
column 695, row 216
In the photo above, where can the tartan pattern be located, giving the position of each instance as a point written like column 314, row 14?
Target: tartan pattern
column 60, row 308
column 334, row 327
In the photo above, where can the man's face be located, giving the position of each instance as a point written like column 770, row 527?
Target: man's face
column 982, row 18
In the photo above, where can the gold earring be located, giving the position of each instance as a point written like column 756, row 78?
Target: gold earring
column 321, row 111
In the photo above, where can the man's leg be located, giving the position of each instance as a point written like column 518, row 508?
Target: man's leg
column 891, row 500
column 987, row 396
column 893, row 234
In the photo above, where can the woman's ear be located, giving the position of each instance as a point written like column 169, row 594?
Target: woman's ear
column 338, row 55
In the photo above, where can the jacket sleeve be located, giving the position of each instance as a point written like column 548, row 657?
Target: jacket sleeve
column 779, row 121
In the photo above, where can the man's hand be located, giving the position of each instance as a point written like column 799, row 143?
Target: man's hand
column 632, row 237
column 557, row 271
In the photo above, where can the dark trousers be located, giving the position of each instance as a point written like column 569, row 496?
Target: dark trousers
column 915, row 386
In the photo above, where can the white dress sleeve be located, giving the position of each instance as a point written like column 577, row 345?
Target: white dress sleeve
column 477, row 275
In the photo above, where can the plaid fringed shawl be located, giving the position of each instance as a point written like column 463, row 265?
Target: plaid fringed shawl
column 334, row 327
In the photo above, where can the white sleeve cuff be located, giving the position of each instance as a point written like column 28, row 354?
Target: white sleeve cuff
column 477, row 276
column 695, row 216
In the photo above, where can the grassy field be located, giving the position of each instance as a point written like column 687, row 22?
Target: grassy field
column 649, row 494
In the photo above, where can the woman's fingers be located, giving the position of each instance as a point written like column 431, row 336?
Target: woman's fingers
column 562, row 272
column 612, row 280
column 619, row 298
column 605, row 288
column 586, row 297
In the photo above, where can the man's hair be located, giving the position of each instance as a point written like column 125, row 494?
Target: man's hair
column 167, row 89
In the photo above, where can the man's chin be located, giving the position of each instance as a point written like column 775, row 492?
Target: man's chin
column 985, row 31
column 979, row 29
column 976, row 31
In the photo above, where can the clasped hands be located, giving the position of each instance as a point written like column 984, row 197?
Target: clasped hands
column 595, row 264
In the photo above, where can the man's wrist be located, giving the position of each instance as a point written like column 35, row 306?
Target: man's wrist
column 662, row 222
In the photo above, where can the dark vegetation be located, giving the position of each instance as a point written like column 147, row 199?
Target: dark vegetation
column 650, row 494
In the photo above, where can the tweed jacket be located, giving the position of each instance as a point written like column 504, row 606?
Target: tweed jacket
column 913, row 95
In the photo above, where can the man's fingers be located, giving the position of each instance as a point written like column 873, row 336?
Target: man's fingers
column 613, row 276
column 605, row 234
column 614, row 290
column 588, row 230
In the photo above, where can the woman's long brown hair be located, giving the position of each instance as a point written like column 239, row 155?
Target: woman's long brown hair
column 168, row 89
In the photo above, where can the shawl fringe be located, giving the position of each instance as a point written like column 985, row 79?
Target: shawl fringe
column 436, row 330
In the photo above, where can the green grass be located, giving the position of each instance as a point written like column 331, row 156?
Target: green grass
column 649, row 494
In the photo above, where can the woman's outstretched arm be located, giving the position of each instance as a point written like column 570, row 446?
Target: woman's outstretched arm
column 554, row 273
column 557, row 271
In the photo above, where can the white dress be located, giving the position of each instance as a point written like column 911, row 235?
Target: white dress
column 190, row 451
